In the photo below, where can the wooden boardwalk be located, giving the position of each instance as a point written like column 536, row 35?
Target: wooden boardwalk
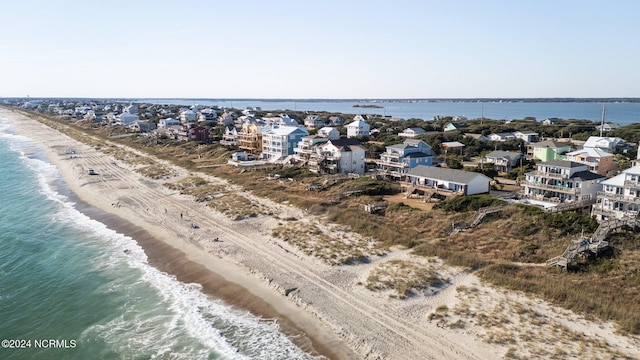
column 478, row 217
column 595, row 244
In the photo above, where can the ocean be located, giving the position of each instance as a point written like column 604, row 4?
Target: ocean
column 622, row 113
column 72, row 288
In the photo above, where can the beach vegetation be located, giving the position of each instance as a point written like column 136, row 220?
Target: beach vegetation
column 468, row 203
column 403, row 277
column 156, row 171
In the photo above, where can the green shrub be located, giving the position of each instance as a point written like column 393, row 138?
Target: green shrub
column 468, row 203
column 571, row 222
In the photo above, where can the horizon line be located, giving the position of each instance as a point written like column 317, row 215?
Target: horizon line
column 611, row 98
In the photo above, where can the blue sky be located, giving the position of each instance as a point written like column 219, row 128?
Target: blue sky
column 320, row 49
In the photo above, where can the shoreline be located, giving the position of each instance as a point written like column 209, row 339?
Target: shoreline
column 168, row 259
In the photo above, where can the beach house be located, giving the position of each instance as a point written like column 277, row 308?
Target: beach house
column 336, row 121
column 550, row 150
column 230, row 136
column 329, row 132
column 527, row 136
column 341, row 156
column 194, row 132
column 167, row 123
column 188, row 116
column 279, row 141
column 448, row 181
column 506, row 136
column 307, row 146
column 559, row 181
column 127, row 118
column 358, row 127
column 607, row 127
column 609, row 144
column 454, row 126
column 313, row 122
column 597, row 160
column 399, row 158
column 412, row 132
column 620, row 196
column 503, row 160
column 250, row 137
column 207, row 114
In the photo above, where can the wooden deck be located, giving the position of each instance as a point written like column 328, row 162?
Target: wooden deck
column 595, row 244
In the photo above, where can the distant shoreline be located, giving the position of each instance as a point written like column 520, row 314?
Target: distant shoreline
column 367, row 100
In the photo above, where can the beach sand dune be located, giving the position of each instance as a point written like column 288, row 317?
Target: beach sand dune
column 339, row 317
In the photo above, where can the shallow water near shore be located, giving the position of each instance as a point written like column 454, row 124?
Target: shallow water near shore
column 66, row 277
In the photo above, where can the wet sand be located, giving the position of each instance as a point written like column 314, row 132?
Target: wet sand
column 173, row 261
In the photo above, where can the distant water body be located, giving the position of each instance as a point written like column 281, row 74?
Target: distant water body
column 65, row 277
column 622, row 113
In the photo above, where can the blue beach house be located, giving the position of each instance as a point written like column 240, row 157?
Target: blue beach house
column 400, row 158
column 279, row 141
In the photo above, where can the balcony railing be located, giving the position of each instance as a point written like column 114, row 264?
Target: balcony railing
column 631, row 184
column 619, row 197
column 391, row 164
column 551, row 175
column 614, row 213
column 558, row 188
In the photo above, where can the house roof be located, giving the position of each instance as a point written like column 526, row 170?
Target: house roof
column 526, row 132
column 400, row 146
column 591, row 152
column 414, row 142
column 510, row 155
column 562, row 163
column 345, row 142
column 452, row 144
column 456, row 125
column 618, row 180
column 450, row 175
column 285, row 130
column 602, row 141
column 609, row 125
column 475, row 136
column 417, row 155
column 503, row 135
column 632, row 170
column 416, row 130
column 586, row 176
column 358, row 123
column 551, row 144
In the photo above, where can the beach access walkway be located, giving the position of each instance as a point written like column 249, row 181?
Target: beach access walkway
column 595, row 244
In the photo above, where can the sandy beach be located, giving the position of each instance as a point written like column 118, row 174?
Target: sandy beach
column 327, row 307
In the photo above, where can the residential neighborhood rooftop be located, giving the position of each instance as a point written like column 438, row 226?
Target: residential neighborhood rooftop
column 450, row 175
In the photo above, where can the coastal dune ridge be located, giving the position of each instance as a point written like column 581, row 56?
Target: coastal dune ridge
column 324, row 308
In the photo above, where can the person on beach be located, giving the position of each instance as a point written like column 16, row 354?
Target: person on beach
column 180, row 216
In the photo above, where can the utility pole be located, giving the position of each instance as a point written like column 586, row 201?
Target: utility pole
column 602, row 121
